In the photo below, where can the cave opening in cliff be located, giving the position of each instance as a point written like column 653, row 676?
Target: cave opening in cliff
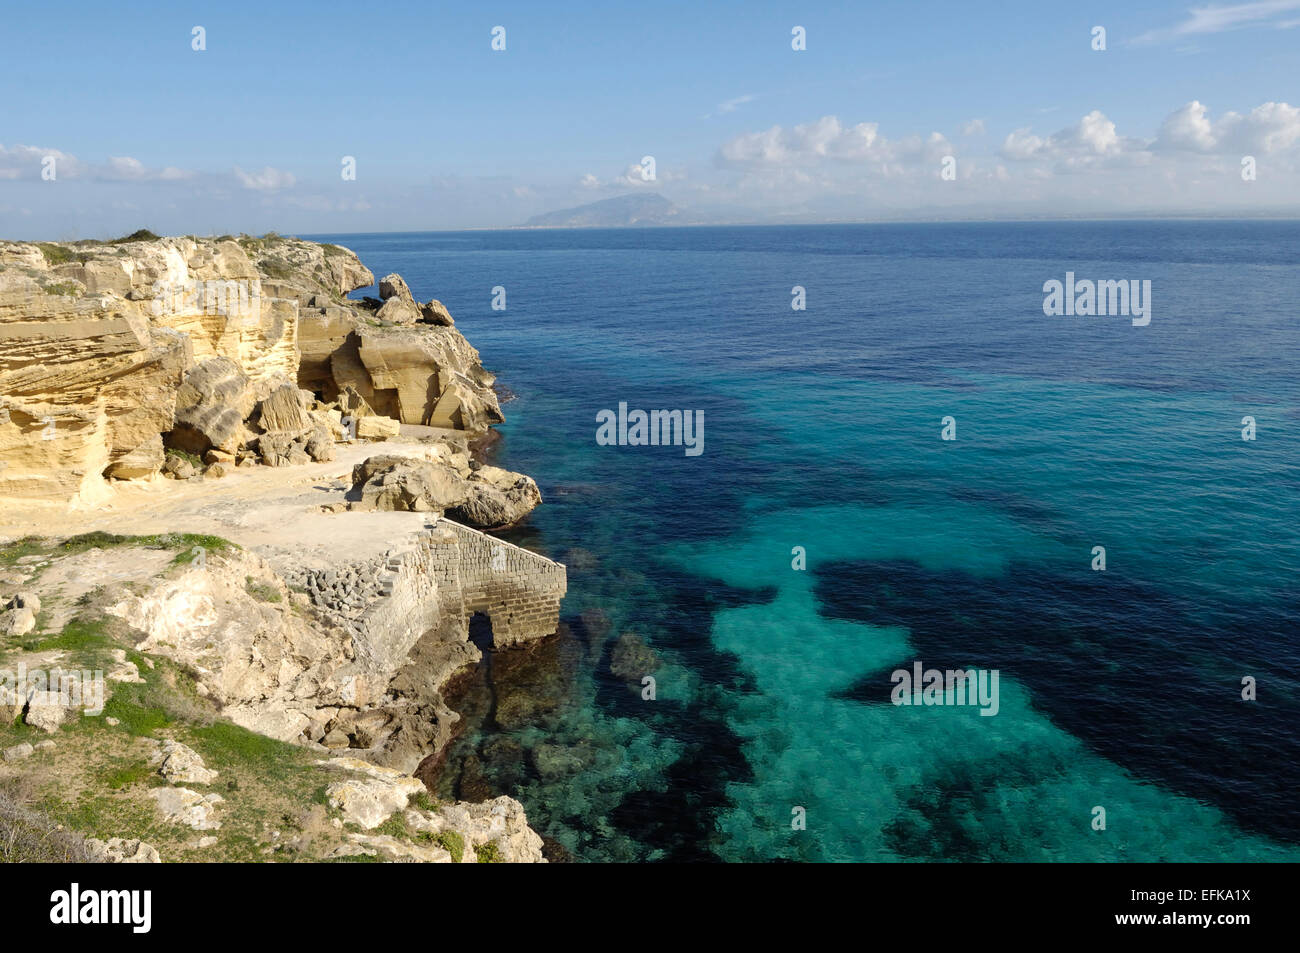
column 480, row 632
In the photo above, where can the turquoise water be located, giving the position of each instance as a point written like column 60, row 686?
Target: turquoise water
column 1118, row 689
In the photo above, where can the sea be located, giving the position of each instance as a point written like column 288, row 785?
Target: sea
column 906, row 465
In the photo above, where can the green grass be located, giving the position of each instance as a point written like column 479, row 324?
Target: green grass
column 354, row 859
column 395, row 826
column 96, row 814
column 489, row 853
column 277, row 268
column 424, row 801
column 27, row 546
column 65, row 288
column 117, row 777
column 87, row 642
column 60, row 254
column 261, row 591
column 227, row 746
column 450, row 841
column 183, row 543
column 133, row 705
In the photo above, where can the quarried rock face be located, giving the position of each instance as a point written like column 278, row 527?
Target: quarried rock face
column 110, row 353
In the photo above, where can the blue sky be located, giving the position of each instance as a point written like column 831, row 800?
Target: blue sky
column 248, row 134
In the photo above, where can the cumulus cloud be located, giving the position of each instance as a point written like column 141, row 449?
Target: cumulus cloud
column 267, row 180
column 125, row 168
column 973, row 127
column 1093, row 140
column 827, row 138
column 1266, row 128
column 27, row 162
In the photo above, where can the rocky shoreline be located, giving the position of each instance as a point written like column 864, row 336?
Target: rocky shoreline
column 234, row 475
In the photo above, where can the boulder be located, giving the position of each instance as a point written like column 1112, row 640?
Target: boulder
column 284, row 410
column 399, row 311
column 178, row 467
column 434, row 312
column 390, row 482
column 15, row 623
column 183, row 806
column 146, row 459
column 352, row 404
column 378, row 428
column 211, row 405
column 25, row 600
column 394, row 285
column 119, row 850
column 320, row 443
column 275, row 448
column 181, row 764
column 374, row 798
column 45, row 710
column 18, row 752
column 632, row 659
column 497, row 499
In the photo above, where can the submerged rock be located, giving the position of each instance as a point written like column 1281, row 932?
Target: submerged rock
column 632, row 659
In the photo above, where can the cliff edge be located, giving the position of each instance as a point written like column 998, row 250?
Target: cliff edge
column 245, row 508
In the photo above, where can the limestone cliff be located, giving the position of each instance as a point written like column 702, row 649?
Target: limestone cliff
column 321, row 596
column 111, row 353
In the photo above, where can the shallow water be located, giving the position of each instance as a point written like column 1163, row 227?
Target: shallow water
column 1118, row 689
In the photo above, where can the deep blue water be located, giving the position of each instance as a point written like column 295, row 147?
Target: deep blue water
column 1119, row 689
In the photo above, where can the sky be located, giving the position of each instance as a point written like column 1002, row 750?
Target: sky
column 111, row 119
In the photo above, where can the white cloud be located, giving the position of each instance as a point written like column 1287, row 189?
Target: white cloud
column 827, row 138
column 267, row 180
column 1091, row 140
column 973, row 127
column 25, row 162
column 1267, row 128
column 1221, row 18
column 126, row 168
column 731, row 104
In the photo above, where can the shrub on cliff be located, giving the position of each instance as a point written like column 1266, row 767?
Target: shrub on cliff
column 139, row 235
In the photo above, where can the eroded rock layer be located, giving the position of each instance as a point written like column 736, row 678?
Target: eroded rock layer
column 113, row 353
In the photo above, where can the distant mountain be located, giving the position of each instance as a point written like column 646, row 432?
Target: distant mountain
column 636, row 209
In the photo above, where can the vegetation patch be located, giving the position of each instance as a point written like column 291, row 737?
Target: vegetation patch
column 139, row 235
column 261, row 591
column 60, row 254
